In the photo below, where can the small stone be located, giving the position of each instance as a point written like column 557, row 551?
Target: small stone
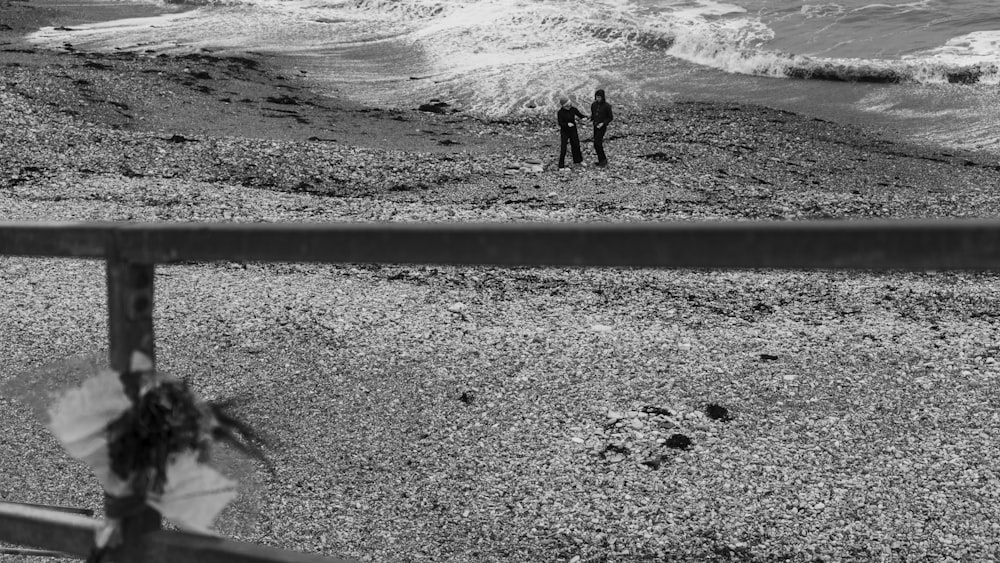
column 601, row 328
column 615, row 415
column 577, row 439
column 636, row 424
column 653, row 462
column 678, row 441
column 717, row 412
column 456, row 307
column 788, row 377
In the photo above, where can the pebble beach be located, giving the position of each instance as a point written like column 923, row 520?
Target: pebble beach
column 423, row 413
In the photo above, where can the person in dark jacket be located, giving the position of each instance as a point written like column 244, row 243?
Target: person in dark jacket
column 600, row 115
column 567, row 115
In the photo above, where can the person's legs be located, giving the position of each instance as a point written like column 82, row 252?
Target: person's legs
column 563, row 139
column 574, row 139
column 599, row 145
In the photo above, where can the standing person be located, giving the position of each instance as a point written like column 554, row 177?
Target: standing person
column 567, row 115
column 600, row 115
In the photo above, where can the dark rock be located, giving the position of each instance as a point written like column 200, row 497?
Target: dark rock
column 613, row 450
column 768, row 357
column 654, row 462
column 648, row 409
column 432, row 108
column 678, row 441
column 717, row 412
column 282, row 99
column 467, row 397
column 180, row 139
column 659, row 156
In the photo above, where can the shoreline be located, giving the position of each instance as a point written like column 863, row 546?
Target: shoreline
column 687, row 160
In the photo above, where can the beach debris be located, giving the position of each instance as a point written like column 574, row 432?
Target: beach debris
column 653, row 410
column 615, row 453
column 768, row 357
column 678, row 441
column 283, row 99
column 436, row 106
column 179, row 139
column 527, row 166
column 717, row 412
column 654, row 462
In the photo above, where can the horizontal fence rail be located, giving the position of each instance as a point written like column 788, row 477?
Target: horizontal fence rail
column 871, row 244
column 60, row 532
column 52, row 530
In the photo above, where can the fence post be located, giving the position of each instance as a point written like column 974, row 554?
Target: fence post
column 130, row 328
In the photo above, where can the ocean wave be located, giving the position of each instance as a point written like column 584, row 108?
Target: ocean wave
column 420, row 10
column 652, row 40
column 894, row 73
column 931, row 68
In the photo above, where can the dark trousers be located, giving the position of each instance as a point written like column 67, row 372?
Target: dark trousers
column 599, row 143
column 573, row 138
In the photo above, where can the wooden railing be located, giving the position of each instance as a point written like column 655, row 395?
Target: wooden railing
column 131, row 252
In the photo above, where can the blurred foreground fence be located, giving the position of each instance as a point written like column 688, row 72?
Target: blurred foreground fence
column 131, row 251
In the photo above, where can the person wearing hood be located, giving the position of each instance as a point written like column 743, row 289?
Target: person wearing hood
column 567, row 115
column 600, row 115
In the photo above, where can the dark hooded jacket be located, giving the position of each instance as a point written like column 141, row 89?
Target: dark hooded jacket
column 567, row 117
column 600, row 112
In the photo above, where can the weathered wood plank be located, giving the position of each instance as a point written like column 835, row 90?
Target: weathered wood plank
column 130, row 329
column 49, row 530
column 70, row 239
column 173, row 547
column 24, row 552
column 814, row 244
column 873, row 244
column 70, row 509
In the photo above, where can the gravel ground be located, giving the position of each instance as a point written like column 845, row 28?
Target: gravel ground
column 423, row 413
